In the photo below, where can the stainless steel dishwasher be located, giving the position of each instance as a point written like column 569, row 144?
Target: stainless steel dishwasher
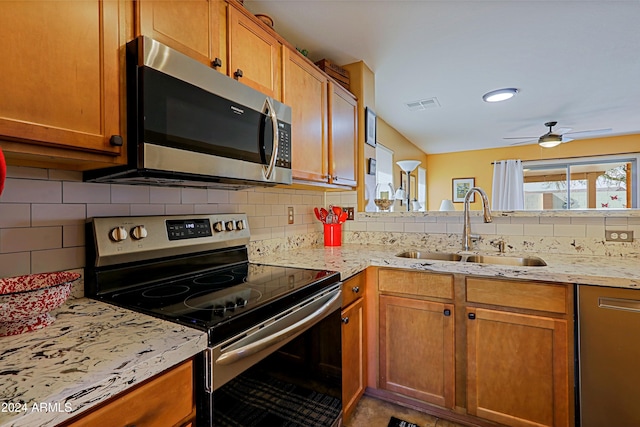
column 609, row 354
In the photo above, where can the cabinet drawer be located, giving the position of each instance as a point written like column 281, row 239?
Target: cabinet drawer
column 517, row 294
column 165, row 400
column 352, row 289
column 416, row 283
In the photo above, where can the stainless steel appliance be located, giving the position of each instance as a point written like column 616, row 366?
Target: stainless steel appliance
column 189, row 125
column 274, row 354
column 609, row 352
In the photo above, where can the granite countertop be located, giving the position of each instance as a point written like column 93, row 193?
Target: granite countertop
column 352, row 258
column 95, row 350
column 92, row 352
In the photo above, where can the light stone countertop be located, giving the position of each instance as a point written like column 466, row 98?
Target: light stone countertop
column 92, row 352
column 620, row 272
column 95, row 350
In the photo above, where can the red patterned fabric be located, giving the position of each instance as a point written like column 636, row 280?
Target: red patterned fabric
column 10, row 285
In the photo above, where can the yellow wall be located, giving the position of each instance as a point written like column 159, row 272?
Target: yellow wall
column 442, row 168
column 403, row 149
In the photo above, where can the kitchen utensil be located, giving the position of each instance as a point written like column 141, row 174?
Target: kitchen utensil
column 342, row 218
column 317, row 212
column 336, row 210
column 323, row 214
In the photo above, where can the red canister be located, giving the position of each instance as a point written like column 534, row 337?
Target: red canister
column 332, row 234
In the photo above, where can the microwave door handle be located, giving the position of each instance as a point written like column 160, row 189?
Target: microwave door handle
column 268, row 170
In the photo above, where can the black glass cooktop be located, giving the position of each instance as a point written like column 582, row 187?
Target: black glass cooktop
column 226, row 300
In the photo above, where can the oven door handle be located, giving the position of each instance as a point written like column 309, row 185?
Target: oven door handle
column 288, row 332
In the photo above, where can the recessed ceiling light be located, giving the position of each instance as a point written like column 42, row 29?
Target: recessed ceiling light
column 499, row 95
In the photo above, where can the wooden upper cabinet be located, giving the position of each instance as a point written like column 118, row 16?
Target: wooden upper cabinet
column 343, row 136
column 254, row 54
column 518, row 368
column 61, row 79
column 193, row 27
column 305, row 91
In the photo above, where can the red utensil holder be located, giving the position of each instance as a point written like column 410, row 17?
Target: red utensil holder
column 332, row 234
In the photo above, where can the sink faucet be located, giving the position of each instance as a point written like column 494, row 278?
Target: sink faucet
column 466, row 228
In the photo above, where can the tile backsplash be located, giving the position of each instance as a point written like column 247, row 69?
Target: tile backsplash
column 43, row 211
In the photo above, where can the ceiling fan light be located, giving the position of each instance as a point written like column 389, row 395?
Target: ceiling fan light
column 550, row 141
column 500, row 95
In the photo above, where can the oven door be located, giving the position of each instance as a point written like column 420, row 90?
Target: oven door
column 285, row 369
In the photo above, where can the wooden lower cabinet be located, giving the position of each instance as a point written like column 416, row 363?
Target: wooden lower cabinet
column 517, row 368
column 353, row 356
column 476, row 350
column 417, row 349
column 163, row 401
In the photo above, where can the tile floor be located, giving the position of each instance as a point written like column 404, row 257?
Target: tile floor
column 372, row 412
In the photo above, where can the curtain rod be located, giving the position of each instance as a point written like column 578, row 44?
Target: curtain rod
column 574, row 157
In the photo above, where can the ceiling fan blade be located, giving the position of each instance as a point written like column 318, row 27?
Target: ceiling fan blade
column 566, row 139
column 588, row 133
column 562, row 131
column 522, row 137
column 523, row 142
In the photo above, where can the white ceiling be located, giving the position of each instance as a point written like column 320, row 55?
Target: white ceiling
column 576, row 62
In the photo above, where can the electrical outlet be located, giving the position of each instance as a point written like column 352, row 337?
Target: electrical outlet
column 618, row 235
column 350, row 213
column 290, row 216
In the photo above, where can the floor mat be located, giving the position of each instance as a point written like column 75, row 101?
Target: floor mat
column 396, row 422
column 261, row 400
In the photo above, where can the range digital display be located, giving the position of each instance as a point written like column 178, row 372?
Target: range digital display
column 188, row 228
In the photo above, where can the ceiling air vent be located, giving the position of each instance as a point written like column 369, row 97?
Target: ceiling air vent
column 423, row 104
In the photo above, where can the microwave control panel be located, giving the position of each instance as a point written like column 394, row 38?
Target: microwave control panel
column 284, row 145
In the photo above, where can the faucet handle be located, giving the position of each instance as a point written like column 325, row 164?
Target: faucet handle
column 500, row 244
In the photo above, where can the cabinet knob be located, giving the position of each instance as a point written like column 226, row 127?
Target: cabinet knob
column 472, row 316
column 356, row 289
column 217, row 62
column 447, row 312
column 345, row 320
column 238, row 73
column 116, row 141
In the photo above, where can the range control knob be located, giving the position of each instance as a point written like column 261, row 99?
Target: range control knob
column 240, row 224
column 139, row 232
column 229, row 225
column 218, row 226
column 118, row 234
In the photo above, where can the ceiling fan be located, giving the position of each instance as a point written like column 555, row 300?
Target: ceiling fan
column 553, row 139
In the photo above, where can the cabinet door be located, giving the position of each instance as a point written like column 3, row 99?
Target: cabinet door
column 305, row 91
column 188, row 26
column 353, row 356
column 253, row 52
column 60, row 80
column 417, row 349
column 343, row 136
column 518, row 368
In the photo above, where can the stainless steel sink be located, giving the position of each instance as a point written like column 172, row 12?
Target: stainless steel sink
column 436, row 256
column 505, row 260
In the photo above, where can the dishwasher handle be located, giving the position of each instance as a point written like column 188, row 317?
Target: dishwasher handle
column 619, row 304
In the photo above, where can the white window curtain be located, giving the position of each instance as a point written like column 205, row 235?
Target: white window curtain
column 508, row 185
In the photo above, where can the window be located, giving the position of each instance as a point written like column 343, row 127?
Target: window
column 605, row 182
column 384, row 165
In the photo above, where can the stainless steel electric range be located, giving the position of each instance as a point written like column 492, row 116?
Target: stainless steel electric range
column 274, row 332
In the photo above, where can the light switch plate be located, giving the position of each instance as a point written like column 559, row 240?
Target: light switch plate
column 618, row 235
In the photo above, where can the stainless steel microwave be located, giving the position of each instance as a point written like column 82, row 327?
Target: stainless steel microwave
column 189, row 125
